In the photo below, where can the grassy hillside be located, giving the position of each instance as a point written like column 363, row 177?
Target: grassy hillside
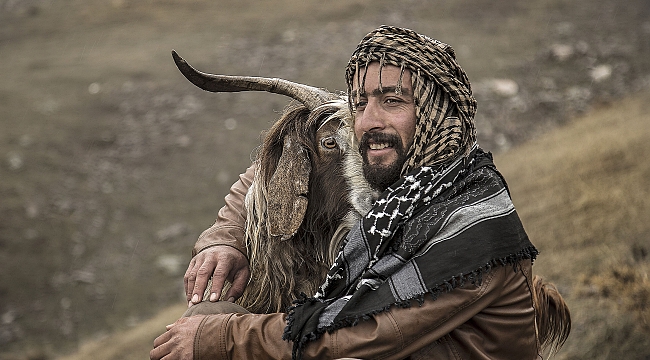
column 583, row 192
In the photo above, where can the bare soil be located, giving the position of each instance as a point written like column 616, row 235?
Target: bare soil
column 111, row 163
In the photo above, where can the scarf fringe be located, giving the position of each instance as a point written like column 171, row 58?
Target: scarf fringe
column 475, row 278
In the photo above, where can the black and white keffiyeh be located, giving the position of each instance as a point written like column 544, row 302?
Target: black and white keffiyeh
column 432, row 231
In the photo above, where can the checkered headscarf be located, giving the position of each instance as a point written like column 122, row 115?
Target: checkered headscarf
column 444, row 105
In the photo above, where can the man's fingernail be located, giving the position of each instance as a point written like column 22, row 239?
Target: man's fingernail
column 213, row 297
column 231, row 299
column 195, row 298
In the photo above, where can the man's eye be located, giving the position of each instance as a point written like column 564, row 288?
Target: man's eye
column 360, row 104
column 393, row 101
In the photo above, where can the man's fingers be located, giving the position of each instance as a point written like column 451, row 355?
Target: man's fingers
column 202, row 277
column 191, row 284
column 177, row 343
column 159, row 352
column 221, row 263
column 164, row 344
column 190, row 278
column 162, row 339
column 238, row 284
column 219, row 277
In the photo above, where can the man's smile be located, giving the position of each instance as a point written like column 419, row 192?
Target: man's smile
column 379, row 146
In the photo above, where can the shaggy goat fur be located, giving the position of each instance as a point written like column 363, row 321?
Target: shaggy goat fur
column 279, row 277
column 551, row 314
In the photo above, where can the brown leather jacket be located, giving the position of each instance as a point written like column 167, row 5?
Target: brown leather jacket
column 495, row 320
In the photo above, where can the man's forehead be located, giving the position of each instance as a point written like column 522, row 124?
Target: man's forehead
column 390, row 74
column 405, row 90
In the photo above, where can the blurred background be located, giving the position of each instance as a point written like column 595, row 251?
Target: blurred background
column 112, row 164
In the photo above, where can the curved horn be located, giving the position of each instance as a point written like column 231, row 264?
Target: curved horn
column 309, row 96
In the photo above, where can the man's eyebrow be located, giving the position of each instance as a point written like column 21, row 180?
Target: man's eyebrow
column 384, row 90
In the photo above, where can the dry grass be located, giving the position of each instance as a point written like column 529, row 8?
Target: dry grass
column 132, row 344
column 583, row 192
column 628, row 286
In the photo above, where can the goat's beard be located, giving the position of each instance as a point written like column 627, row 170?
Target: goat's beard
column 381, row 176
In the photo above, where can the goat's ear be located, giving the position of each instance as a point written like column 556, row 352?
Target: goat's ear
column 287, row 191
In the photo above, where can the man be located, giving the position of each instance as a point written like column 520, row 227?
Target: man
column 439, row 268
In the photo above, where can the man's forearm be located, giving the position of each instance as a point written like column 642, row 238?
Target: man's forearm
column 229, row 227
column 393, row 334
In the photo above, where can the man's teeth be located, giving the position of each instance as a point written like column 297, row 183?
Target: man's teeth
column 379, row 146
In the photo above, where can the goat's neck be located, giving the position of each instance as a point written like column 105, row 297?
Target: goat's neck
column 362, row 195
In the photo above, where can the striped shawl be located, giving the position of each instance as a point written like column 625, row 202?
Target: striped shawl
column 432, row 231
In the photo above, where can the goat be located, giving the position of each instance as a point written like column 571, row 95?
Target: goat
column 288, row 252
column 298, row 206
column 308, row 191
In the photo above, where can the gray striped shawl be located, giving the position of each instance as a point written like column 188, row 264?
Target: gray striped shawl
column 430, row 232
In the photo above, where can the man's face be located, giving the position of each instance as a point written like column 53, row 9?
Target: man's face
column 384, row 123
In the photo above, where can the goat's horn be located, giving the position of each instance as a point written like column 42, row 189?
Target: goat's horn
column 309, row 96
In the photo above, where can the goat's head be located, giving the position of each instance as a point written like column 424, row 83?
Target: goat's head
column 299, row 196
column 306, row 146
column 301, row 161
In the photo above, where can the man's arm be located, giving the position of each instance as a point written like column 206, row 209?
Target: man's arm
column 393, row 334
column 220, row 252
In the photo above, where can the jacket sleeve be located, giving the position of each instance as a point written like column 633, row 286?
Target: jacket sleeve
column 228, row 228
column 393, row 334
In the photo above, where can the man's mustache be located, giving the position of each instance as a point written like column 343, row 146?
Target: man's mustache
column 392, row 140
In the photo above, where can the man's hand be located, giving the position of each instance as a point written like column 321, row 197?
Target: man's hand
column 178, row 341
column 222, row 263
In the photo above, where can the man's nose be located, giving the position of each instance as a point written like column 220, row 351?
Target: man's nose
column 371, row 118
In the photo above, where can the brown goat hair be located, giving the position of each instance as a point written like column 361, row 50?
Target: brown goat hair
column 283, row 268
column 551, row 315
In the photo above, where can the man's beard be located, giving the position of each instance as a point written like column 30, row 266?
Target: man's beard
column 381, row 176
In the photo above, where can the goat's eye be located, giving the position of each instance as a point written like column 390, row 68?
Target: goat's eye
column 328, row 143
